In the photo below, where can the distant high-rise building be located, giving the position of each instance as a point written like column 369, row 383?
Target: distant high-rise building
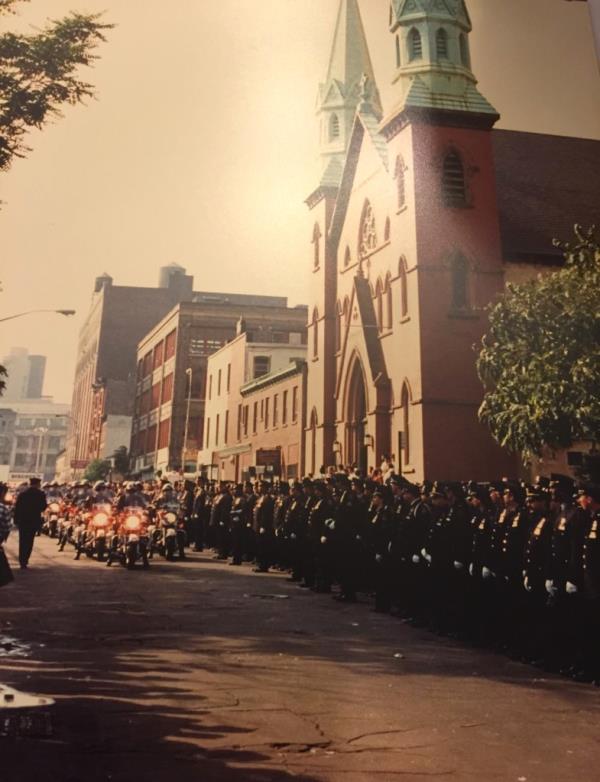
column 25, row 375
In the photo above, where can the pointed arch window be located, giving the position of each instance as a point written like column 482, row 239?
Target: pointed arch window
column 406, row 433
column 316, row 240
column 347, row 257
column 338, row 327
column 415, row 45
column 441, row 44
column 346, row 312
column 403, row 288
column 387, row 230
column 367, row 240
column 398, row 52
column 389, row 303
column 315, row 327
column 454, row 189
column 463, row 44
column 400, row 182
column 334, row 127
column 379, row 305
column 459, row 272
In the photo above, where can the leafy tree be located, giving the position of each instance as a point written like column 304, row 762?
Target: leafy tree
column 39, row 74
column 97, row 470
column 121, row 460
column 540, row 361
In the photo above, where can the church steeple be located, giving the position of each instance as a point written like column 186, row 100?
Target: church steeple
column 349, row 85
column 433, row 63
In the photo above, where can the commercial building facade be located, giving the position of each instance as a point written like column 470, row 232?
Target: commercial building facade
column 254, row 418
column 173, row 382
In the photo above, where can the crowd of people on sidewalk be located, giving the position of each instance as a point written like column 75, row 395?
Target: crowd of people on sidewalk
column 504, row 565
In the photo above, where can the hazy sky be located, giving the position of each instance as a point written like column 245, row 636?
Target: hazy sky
column 201, row 146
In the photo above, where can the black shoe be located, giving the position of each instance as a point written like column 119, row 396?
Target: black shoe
column 260, row 569
column 234, row 563
column 23, row 567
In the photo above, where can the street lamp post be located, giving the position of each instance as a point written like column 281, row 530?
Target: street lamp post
column 33, row 312
column 188, row 373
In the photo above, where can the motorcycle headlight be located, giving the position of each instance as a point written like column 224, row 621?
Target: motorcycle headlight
column 100, row 520
column 170, row 518
column 54, row 507
column 132, row 522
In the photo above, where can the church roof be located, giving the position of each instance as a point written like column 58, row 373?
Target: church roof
column 471, row 100
column 545, row 184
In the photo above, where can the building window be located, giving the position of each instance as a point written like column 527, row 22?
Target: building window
column 208, row 432
column 398, row 52
column 389, row 304
column 367, row 240
column 405, row 404
column 151, row 439
column 415, row 45
column 210, row 386
column 460, row 278
column 167, row 388
column 316, row 240
column 284, row 408
column 226, row 428
column 261, row 366
column 403, row 288
column 255, row 418
column 347, row 257
column 164, row 431
column 245, row 417
column 315, row 327
column 454, row 190
column 155, row 396
column 379, row 305
column 157, row 358
column 338, row 328
column 170, row 342
column 465, row 57
column 217, row 425
column 219, row 383
column 295, row 404
column 147, row 368
column 267, row 413
column 334, row 127
column 228, row 377
column 441, row 44
column 400, row 183
column 275, row 409
column 239, row 422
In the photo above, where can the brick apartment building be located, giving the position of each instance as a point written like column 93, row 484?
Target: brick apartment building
column 172, row 384
column 254, row 419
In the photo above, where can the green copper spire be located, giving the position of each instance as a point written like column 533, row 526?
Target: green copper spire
column 433, row 62
column 350, row 85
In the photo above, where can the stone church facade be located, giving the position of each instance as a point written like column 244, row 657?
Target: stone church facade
column 421, row 215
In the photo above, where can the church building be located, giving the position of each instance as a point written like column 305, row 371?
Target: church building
column 422, row 213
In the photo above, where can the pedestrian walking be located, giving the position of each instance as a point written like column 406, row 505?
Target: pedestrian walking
column 6, row 575
column 28, row 517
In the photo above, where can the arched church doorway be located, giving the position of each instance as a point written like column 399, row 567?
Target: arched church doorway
column 356, row 418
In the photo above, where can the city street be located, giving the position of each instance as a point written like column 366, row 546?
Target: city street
column 198, row 671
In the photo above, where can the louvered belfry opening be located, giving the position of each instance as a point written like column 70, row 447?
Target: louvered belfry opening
column 415, row 44
column 453, row 181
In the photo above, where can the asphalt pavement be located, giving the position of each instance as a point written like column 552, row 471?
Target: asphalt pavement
column 196, row 671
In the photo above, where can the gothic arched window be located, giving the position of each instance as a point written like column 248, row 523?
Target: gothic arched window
column 315, row 326
column 379, row 305
column 338, row 327
column 316, row 240
column 464, row 50
column 398, row 52
column 347, row 257
column 405, row 405
column 334, row 127
column 389, row 304
column 400, row 182
column 367, row 239
column 441, row 44
column 454, row 190
column 403, row 288
column 459, row 272
column 387, row 230
column 415, row 44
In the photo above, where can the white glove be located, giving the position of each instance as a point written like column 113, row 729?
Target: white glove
column 358, row 537
column 323, row 539
column 416, row 559
column 571, row 588
column 458, row 565
column 425, row 555
column 293, row 536
column 486, row 573
column 249, row 526
column 390, row 547
column 550, row 588
column 262, row 530
column 526, row 584
column 471, row 569
column 378, row 557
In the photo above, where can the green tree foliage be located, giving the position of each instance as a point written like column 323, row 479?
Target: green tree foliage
column 39, row 74
column 97, row 470
column 540, row 361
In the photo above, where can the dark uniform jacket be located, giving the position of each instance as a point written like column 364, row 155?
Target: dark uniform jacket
column 591, row 559
column 262, row 514
column 29, row 507
column 538, row 550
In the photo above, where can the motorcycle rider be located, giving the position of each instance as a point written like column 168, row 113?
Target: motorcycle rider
column 133, row 497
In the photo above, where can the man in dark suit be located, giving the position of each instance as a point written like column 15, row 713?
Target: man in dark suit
column 28, row 517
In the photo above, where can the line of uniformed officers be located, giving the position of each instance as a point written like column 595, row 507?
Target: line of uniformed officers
column 500, row 565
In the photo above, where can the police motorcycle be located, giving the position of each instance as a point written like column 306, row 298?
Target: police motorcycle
column 52, row 517
column 130, row 543
column 168, row 536
column 96, row 533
